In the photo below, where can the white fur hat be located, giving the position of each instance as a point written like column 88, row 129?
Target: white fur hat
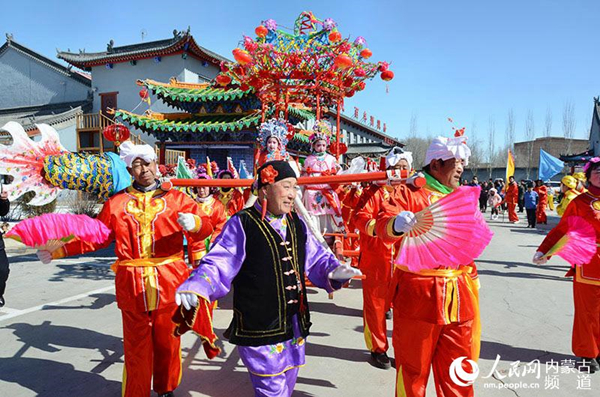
column 129, row 152
column 397, row 154
column 447, row 148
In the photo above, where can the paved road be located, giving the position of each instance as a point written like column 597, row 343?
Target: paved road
column 61, row 332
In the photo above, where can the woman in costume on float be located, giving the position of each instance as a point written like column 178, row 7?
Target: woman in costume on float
column 586, row 276
column 321, row 201
column 273, row 139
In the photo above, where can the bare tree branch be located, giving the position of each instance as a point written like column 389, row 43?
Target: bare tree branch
column 491, row 144
column 510, row 129
column 530, row 135
column 569, row 123
column 548, row 123
column 414, row 125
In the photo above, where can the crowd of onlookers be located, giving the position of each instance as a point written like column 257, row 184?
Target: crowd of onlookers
column 493, row 192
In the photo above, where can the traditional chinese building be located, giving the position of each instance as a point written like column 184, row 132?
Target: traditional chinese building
column 36, row 89
column 187, row 115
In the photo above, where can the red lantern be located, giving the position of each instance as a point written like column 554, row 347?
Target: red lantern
column 387, row 75
column 360, row 72
column 342, row 61
column 223, row 80
column 335, row 36
column 383, row 66
column 261, row 31
column 342, row 148
column 242, row 57
column 350, row 94
column 244, row 87
column 348, row 81
column 144, row 94
column 361, row 86
column 239, row 70
column 336, row 148
column 116, row 133
column 366, row 53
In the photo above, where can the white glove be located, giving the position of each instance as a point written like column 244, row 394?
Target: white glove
column 344, row 273
column 539, row 258
column 187, row 221
column 404, row 222
column 44, row 256
column 187, row 299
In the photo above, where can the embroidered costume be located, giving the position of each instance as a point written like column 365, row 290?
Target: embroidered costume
column 265, row 261
column 586, row 280
column 321, row 201
column 436, row 312
column 149, row 268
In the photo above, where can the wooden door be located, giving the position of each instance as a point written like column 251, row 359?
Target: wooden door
column 108, row 100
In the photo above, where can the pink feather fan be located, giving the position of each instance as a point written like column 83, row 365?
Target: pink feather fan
column 578, row 245
column 52, row 231
column 450, row 232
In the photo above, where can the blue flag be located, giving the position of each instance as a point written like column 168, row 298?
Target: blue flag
column 549, row 166
column 244, row 174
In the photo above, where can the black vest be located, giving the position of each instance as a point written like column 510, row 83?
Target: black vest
column 265, row 291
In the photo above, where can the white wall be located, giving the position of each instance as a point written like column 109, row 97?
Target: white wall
column 24, row 81
column 123, row 76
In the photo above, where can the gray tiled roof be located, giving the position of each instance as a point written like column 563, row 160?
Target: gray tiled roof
column 141, row 50
column 47, row 114
column 11, row 43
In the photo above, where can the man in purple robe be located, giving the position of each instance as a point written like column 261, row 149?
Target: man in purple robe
column 264, row 252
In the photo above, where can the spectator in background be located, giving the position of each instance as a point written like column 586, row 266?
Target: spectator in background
column 522, row 190
column 483, row 197
column 474, row 181
column 494, row 201
column 531, row 200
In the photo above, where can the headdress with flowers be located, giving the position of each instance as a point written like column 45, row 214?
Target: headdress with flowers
column 322, row 130
column 593, row 160
column 276, row 128
column 202, row 172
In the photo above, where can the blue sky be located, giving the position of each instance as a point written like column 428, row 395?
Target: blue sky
column 471, row 60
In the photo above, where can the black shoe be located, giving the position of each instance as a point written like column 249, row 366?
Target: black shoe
column 589, row 363
column 380, row 360
column 388, row 315
column 2, row 302
column 167, row 394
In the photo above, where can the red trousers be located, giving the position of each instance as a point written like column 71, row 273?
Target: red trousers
column 541, row 214
column 418, row 346
column 586, row 322
column 376, row 302
column 512, row 212
column 152, row 352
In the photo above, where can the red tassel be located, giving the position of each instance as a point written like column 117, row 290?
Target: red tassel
column 264, row 209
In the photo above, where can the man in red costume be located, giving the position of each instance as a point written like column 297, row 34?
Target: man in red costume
column 436, row 317
column 376, row 263
column 212, row 208
column 542, row 192
column 586, row 281
column 512, row 199
column 147, row 223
